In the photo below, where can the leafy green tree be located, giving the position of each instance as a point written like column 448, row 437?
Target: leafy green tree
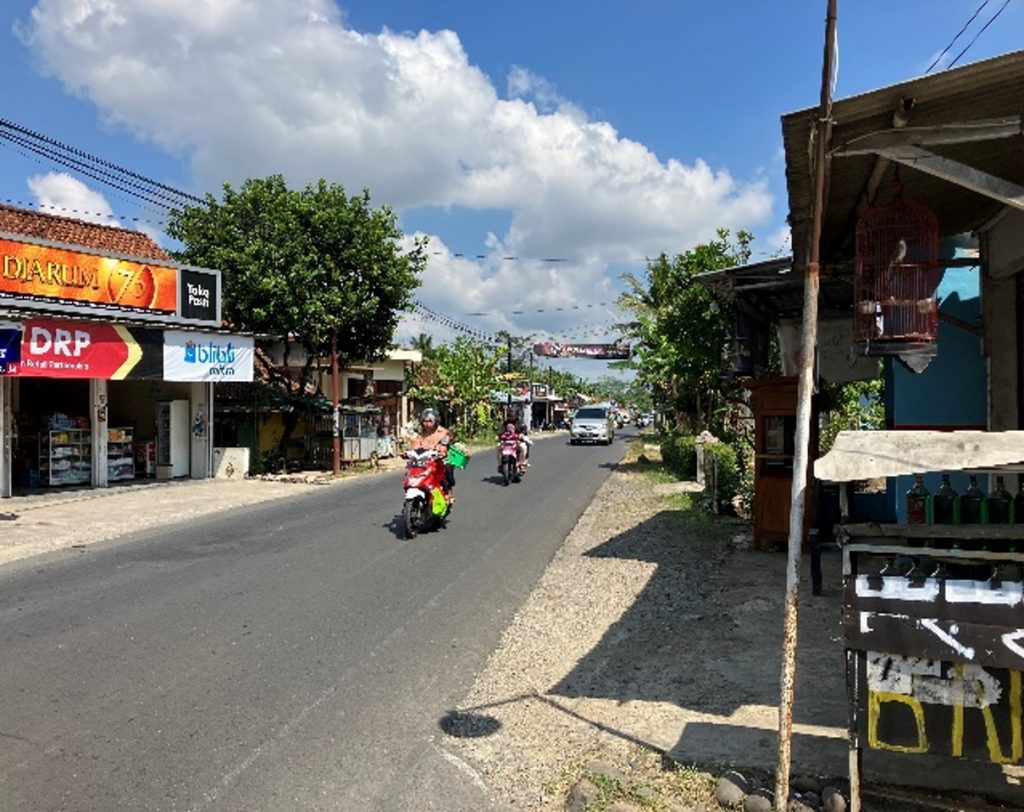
column 854, row 406
column 611, row 388
column 307, row 265
column 681, row 329
column 461, row 377
column 565, row 384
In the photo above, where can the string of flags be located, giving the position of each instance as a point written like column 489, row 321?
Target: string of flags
column 617, row 350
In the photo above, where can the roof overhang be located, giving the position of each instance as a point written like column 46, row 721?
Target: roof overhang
column 771, row 290
column 955, row 136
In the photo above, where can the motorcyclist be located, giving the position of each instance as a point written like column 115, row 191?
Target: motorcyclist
column 435, row 437
column 525, row 443
column 510, row 431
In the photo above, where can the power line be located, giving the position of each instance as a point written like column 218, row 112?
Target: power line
column 992, row 19
column 958, row 33
column 96, row 173
column 565, row 309
column 569, row 260
column 80, row 212
column 11, row 130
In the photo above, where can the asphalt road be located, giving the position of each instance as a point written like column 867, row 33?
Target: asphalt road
column 295, row 655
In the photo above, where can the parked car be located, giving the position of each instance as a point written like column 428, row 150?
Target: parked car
column 592, row 424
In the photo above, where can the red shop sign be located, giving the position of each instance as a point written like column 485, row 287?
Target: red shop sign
column 67, row 349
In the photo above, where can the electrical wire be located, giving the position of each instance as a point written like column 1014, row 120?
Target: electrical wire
column 80, row 212
column 97, row 174
column 991, row 20
column 88, row 158
column 958, row 34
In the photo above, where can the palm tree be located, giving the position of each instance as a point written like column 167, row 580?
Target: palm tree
column 425, row 344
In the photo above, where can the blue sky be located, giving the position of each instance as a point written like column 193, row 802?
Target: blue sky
column 595, row 132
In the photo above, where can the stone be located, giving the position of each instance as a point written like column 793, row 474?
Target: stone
column 832, row 800
column 731, row 789
column 758, row 801
column 606, row 770
column 622, row 806
column 583, row 794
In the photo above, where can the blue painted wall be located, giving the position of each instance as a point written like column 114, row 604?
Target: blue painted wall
column 951, row 392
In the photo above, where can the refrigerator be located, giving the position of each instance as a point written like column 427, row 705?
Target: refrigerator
column 172, row 439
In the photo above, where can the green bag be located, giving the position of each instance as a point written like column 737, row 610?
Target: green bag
column 438, row 503
column 457, row 456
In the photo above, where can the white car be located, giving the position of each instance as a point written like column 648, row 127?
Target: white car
column 592, row 424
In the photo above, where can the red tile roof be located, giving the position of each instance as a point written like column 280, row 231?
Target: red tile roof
column 78, row 232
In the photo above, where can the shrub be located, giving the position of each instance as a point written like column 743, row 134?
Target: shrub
column 728, row 482
column 679, row 453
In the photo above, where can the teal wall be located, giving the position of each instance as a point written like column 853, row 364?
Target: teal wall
column 951, row 393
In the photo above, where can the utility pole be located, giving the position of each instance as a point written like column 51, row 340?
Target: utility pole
column 805, row 389
column 336, row 399
column 509, row 384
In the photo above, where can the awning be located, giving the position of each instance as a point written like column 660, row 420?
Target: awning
column 869, row 454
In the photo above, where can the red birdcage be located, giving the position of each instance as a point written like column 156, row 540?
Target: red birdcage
column 895, row 280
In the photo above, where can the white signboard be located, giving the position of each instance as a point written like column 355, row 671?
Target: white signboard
column 207, row 356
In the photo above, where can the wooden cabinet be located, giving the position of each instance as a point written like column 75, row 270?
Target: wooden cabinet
column 774, row 405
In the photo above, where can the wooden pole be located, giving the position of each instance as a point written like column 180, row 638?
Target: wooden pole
column 805, row 389
column 336, row 400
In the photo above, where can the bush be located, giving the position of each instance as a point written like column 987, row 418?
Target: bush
column 679, row 453
column 728, row 483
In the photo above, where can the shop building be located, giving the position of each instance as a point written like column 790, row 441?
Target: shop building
column 109, row 353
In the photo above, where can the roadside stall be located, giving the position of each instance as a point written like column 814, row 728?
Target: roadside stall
column 932, row 606
column 359, row 439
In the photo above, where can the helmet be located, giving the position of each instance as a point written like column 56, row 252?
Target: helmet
column 428, row 414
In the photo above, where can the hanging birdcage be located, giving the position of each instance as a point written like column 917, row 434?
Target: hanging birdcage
column 895, row 280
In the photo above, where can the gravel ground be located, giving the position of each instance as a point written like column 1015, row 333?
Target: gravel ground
column 593, row 665
column 647, row 660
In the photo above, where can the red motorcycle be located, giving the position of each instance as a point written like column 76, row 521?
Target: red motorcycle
column 426, row 500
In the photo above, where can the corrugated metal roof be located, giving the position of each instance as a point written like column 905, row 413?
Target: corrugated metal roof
column 993, row 88
column 772, row 290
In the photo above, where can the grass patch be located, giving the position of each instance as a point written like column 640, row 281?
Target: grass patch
column 651, row 782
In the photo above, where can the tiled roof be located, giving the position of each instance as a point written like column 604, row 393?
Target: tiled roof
column 78, row 232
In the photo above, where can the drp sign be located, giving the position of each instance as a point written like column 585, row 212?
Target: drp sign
column 58, row 341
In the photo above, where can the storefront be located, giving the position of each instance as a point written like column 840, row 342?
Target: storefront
column 108, row 360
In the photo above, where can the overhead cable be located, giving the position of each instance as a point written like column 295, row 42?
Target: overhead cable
column 991, row 20
column 958, row 34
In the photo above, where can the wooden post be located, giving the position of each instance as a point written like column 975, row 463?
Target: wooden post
column 336, row 400
column 805, row 389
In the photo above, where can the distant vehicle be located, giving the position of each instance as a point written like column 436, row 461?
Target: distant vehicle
column 592, row 424
column 643, row 420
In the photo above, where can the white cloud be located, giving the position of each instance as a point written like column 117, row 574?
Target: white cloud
column 248, row 88
column 59, row 193
column 245, row 88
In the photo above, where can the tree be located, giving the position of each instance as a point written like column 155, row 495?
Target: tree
column 305, row 265
column 461, row 376
column 315, row 267
column 681, row 329
column 425, row 344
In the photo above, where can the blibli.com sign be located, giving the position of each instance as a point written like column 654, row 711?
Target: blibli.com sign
column 207, row 357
